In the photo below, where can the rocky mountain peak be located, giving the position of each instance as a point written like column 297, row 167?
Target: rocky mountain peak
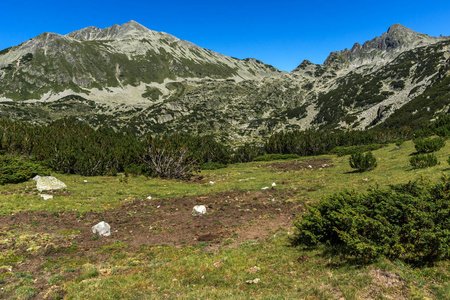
column 397, row 39
column 398, row 27
column 306, row 64
column 127, row 30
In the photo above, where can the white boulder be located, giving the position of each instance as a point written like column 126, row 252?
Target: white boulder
column 47, row 183
column 102, row 229
column 199, row 210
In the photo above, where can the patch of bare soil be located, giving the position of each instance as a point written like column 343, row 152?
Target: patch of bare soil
column 386, row 281
column 232, row 217
column 297, row 165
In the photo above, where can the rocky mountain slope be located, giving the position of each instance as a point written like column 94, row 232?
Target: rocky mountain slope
column 146, row 81
column 91, row 60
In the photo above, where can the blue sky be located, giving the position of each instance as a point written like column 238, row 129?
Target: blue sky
column 281, row 33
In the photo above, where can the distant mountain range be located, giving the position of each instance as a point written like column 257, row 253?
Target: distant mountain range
column 131, row 77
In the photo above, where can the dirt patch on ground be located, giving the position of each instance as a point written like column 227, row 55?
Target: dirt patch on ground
column 386, row 281
column 197, row 179
column 232, row 218
column 169, row 221
column 297, row 165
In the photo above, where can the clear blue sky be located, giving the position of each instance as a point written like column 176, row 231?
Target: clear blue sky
column 281, row 33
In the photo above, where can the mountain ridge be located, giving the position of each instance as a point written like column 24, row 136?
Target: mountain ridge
column 130, row 76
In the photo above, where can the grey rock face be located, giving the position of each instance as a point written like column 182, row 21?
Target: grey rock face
column 398, row 37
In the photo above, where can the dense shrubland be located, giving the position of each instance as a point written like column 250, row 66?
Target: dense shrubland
column 14, row 170
column 74, row 147
column 314, row 142
column 407, row 222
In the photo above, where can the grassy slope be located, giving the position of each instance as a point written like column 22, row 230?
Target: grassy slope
column 105, row 192
column 195, row 272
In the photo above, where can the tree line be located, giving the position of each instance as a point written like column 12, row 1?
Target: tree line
column 73, row 147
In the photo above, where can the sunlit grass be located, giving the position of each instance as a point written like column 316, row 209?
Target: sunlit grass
column 284, row 273
column 100, row 193
column 195, row 272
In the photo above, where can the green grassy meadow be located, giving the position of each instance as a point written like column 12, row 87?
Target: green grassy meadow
column 120, row 271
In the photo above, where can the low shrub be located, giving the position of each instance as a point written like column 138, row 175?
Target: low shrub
column 246, row 153
column 399, row 142
column 363, row 162
column 341, row 150
column 15, row 170
column 421, row 161
column 429, row 145
column 407, row 222
column 270, row 157
column 168, row 163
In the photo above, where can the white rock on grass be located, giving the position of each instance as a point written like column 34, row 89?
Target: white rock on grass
column 102, row 229
column 47, row 183
column 274, row 184
column 46, row 197
column 256, row 280
column 198, row 210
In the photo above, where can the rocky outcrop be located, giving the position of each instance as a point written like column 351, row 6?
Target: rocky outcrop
column 386, row 47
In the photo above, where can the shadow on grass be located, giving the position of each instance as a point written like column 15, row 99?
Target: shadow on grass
column 355, row 172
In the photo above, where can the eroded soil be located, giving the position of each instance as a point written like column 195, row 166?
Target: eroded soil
column 232, row 217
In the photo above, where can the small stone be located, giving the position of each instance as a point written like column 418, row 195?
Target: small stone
column 256, row 280
column 211, row 182
column 265, row 188
column 274, row 184
column 84, row 180
column 46, row 197
column 198, row 210
column 149, row 198
column 102, row 229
